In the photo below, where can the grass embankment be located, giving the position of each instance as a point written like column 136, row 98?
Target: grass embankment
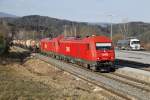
column 13, row 86
column 37, row 80
column 23, row 77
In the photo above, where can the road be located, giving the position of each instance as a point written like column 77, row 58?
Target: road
column 141, row 57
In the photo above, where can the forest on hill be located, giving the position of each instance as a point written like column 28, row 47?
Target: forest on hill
column 37, row 27
column 52, row 26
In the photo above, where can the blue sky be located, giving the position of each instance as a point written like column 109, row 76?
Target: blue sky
column 81, row 10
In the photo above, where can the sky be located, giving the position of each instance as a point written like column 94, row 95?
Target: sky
column 81, row 10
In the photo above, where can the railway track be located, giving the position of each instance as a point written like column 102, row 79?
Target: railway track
column 118, row 84
column 130, row 81
column 106, row 93
column 111, row 82
column 124, row 79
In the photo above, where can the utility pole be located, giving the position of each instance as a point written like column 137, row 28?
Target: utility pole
column 111, row 26
column 125, row 26
column 75, row 31
column 65, row 31
column 33, row 35
column 42, row 32
column 111, row 31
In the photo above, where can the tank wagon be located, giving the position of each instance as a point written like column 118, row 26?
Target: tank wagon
column 32, row 45
column 94, row 52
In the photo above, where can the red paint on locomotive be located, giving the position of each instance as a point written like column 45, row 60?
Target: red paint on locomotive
column 95, row 50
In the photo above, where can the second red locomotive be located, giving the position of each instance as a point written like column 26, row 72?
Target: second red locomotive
column 94, row 52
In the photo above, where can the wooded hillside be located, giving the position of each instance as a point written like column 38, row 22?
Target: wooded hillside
column 36, row 27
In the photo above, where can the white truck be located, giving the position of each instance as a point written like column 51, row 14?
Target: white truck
column 129, row 44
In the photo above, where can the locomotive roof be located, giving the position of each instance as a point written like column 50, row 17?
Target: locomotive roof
column 79, row 40
column 87, row 39
column 101, row 39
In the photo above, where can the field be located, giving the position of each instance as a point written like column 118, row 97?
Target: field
column 33, row 79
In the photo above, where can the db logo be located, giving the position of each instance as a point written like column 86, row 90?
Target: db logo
column 45, row 46
column 67, row 49
column 104, row 54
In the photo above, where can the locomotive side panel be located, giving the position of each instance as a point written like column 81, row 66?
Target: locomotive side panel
column 95, row 52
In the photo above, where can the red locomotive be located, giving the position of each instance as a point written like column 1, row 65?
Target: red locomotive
column 94, row 52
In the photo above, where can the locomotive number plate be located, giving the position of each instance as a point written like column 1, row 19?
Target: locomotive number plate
column 67, row 49
column 104, row 54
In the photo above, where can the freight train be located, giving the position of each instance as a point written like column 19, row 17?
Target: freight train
column 30, row 44
column 93, row 52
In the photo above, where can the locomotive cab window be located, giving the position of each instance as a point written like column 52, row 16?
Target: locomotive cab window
column 103, row 46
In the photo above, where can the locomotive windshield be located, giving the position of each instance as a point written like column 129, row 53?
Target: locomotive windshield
column 103, row 46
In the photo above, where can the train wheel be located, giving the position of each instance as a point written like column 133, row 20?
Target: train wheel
column 87, row 66
column 102, row 70
column 112, row 67
column 93, row 68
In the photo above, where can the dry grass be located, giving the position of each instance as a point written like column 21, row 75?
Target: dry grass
column 13, row 86
column 37, row 80
column 23, row 77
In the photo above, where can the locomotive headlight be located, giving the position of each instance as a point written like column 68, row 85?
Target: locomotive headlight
column 98, row 58
column 111, row 57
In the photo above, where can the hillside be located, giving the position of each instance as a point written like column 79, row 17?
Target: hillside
column 35, row 26
column 53, row 26
column 140, row 30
